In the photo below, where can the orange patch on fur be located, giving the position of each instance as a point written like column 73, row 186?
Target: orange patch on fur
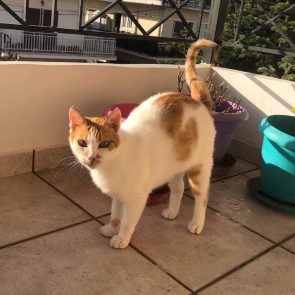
column 80, row 132
column 193, row 174
column 186, row 139
column 199, row 90
column 206, row 200
column 172, row 105
column 108, row 134
column 96, row 124
column 115, row 222
column 194, row 171
column 193, row 178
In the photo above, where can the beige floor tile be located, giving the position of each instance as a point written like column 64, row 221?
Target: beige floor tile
column 290, row 245
column 78, row 185
column 231, row 197
column 239, row 167
column 194, row 260
column 80, row 261
column 242, row 166
column 271, row 274
column 253, row 174
column 28, row 207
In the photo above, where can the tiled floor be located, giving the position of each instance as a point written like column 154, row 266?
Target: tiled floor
column 49, row 241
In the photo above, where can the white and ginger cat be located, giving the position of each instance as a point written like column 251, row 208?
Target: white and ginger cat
column 166, row 136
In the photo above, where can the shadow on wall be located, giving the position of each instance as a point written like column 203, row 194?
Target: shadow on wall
column 270, row 91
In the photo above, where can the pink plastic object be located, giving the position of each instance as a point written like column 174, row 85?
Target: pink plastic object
column 125, row 109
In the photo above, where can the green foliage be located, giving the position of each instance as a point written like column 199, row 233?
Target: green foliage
column 267, row 36
column 181, row 48
column 8, row 56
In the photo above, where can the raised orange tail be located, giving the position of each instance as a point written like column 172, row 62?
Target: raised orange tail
column 199, row 90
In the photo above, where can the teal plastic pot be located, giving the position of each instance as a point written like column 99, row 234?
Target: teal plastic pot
column 278, row 157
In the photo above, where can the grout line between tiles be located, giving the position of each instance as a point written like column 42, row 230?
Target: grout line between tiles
column 240, row 266
column 234, row 175
column 177, row 280
column 153, row 262
column 103, row 215
column 44, row 234
column 33, row 161
column 235, row 221
column 159, row 267
column 52, row 231
column 64, row 195
column 290, row 251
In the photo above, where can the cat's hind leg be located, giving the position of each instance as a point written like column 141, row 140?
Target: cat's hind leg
column 112, row 228
column 199, row 180
column 176, row 186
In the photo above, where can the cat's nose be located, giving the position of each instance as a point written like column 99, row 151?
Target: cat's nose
column 92, row 159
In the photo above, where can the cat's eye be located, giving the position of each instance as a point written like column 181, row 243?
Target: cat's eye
column 104, row 144
column 82, row 143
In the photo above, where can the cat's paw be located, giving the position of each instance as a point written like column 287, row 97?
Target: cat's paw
column 195, row 227
column 118, row 242
column 107, row 231
column 169, row 214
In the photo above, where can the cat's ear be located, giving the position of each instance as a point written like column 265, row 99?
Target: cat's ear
column 75, row 118
column 113, row 120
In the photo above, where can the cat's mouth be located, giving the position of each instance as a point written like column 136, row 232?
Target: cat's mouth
column 93, row 164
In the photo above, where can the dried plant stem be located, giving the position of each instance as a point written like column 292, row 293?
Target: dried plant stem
column 219, row 92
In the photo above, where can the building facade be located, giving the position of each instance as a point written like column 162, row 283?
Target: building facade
column 40, row 13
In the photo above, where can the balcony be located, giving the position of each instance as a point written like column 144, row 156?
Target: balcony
column 50, row 214
column 192, row 4
column 57, row 46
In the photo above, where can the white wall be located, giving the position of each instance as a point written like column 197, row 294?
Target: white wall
column 68, row 11
column 35, row 97
column 6, row 18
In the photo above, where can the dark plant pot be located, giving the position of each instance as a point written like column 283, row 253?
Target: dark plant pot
column 223, row 167
column 226, row 117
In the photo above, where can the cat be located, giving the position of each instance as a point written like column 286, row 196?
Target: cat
column 166, row 136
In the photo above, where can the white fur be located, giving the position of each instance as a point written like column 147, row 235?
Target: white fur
column 146, row 159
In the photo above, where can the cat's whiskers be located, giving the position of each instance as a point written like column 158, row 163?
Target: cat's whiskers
column 70, row 163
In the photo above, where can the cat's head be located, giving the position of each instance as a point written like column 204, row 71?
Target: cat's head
column 94, row 140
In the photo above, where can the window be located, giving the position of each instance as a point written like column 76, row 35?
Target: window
column 39, row 17
column 101, row 23
column 126, row 22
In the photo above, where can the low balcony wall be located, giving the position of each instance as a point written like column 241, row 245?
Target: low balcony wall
column 35, row 99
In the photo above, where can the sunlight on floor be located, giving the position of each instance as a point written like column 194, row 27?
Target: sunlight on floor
column 50, row 241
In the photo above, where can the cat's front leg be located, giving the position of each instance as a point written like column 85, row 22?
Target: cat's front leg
column 132, row 211
column 112, row 228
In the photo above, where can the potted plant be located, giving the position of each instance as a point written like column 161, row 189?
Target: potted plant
column 276, row 186
column 227, row 114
